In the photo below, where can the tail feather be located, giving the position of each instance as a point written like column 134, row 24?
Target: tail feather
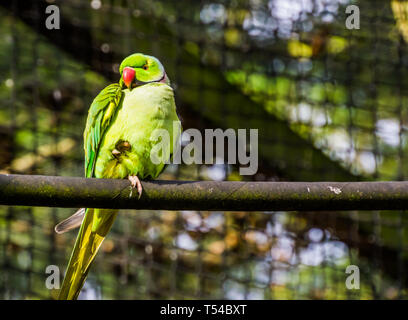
column 94, row 228
column 71, row 222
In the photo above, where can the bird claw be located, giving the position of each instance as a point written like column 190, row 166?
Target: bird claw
column 135, row 183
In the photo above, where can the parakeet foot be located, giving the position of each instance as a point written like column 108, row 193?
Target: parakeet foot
column 120, row 148
column 135, row 182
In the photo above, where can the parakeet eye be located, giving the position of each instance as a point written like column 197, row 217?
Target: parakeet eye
column 145, row 67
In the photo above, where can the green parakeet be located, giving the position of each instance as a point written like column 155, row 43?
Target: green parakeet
column 118, row 142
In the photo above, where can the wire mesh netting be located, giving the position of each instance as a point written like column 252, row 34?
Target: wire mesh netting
column 330, row 104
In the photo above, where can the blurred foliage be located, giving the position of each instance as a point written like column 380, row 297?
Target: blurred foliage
column 329, row 103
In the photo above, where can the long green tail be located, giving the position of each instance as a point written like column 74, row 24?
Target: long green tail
column 94, row 228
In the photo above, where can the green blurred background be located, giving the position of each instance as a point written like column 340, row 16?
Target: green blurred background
column 331, row 104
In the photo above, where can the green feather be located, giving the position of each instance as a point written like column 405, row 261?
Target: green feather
column 95, row 129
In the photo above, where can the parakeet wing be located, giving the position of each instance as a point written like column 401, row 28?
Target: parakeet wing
column 100, row 113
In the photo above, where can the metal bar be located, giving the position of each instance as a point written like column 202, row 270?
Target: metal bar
column 49, row 191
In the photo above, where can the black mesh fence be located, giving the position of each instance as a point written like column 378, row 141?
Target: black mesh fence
column 330, row 104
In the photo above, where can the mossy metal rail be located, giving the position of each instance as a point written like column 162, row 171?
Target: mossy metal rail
column 56, row 191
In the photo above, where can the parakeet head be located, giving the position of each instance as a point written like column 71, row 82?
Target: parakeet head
column 139, row 69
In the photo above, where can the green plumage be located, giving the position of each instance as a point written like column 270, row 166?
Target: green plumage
column 120, row 115
column 143, row 110
column 99, row 117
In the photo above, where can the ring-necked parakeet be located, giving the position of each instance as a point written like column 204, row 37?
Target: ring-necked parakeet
column 117, row 143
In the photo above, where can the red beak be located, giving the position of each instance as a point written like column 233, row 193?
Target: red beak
column 128, row 75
